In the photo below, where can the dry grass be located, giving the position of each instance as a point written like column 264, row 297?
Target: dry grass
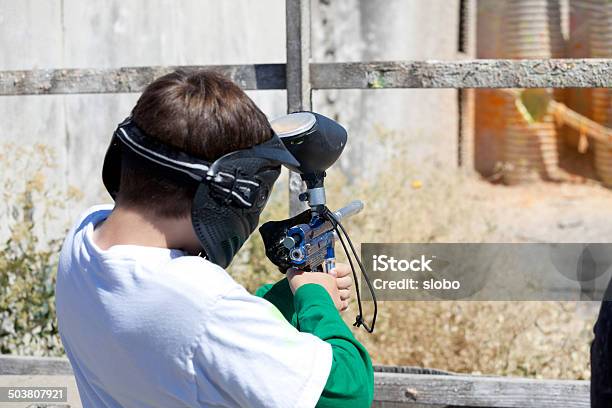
column 535, row 339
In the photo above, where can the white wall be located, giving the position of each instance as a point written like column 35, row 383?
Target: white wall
column 78, row 34
column 378, row 30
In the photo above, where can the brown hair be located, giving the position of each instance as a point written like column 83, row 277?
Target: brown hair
column 201, row 113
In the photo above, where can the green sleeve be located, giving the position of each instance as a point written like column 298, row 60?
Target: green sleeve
column 279, row 294
column 263, row 289
column 351, row 378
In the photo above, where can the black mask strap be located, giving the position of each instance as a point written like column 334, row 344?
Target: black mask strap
column 243, row 191
column 163, row 155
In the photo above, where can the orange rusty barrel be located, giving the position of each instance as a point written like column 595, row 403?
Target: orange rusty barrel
column 529, row 147
column 601, row 47
column 531, row 29
column 582, row 15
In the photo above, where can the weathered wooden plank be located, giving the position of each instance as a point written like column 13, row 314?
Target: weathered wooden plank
column 466, row 98
column 298, row 55
column 399, row 386
column 299, row 92
column 128, row 79
column 19, row 365
column 552, row 73
column 476, row 391
column 378, row 368
column 559, row 73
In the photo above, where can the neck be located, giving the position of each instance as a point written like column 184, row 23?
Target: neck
column 129, row 226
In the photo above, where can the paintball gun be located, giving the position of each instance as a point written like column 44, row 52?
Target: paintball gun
column 307, row 241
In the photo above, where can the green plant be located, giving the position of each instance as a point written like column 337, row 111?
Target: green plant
column 28, row 257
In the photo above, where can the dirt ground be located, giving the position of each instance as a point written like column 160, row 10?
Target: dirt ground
column 547, row 212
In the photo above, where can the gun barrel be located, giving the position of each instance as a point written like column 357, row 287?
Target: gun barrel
column 351, row 209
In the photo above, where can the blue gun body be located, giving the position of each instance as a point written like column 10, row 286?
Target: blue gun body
column 311, row 246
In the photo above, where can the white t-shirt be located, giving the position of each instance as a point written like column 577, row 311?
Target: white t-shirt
column 152, row 327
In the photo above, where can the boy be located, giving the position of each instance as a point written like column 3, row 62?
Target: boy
column 146, row 322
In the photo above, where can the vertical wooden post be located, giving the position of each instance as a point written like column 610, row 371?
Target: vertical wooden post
column 466, row 97
column 299, row 92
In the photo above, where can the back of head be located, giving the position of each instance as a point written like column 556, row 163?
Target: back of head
column 201, row 113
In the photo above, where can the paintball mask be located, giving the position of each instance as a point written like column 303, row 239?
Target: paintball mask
column 231, row 192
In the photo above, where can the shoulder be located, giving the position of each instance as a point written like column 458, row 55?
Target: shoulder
column 93, row 215
column 195, row 266
column 71, row 248
column 198, row 278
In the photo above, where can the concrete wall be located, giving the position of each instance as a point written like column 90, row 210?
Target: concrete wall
column 71, row 33
column 377, row 30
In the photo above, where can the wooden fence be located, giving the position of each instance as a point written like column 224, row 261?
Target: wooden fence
column 299, row 76
column 408, row 387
